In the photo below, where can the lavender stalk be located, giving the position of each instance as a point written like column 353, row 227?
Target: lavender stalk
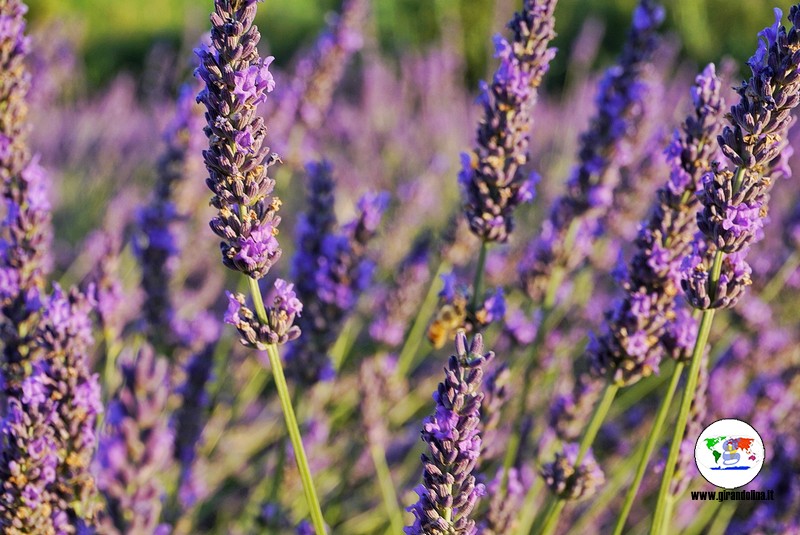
column 237, row 80
column 656, row 267
column 25, row 233
column 563, row 242
column 136, row 447
column 492, row 179
column 735, row 203
column 449, row 492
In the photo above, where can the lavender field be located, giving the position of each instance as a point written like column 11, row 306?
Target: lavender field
column 348, row 291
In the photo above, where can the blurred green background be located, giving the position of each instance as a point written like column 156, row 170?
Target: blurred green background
column 118, row 34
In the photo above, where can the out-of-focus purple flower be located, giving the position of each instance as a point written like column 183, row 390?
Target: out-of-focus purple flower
column 319, row 72
column 503, row 506
column 569, row 482
column 630, row 346
column 305, row 528
column 65, row 334
column 589, row 189
column 570, row 412
column 237, row 80
column 492, row 179
column 25, row 237
column 29, row 458
column 495, row 306
column 191, row 416
column 136, row 446
column 448, row 493
column 735, row 201
column 398, row 304
column 331, row 270
column 521, row 328
column 496, row 395
column 155, row 243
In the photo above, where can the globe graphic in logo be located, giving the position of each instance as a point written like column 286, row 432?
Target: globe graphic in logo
column 729, row 453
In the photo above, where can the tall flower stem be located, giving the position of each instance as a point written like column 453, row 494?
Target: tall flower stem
column 776, row 284
column 291, row 420
column 544, row 326
column 650, row 445
column 387, row 487
column 686, row 402
column 405, row 361
column 477, row 285
column 600, row 412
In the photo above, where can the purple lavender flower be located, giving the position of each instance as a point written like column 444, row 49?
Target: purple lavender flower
column 569, row 482
column 635, row 332
column 105, row 286
column 156, row 241
column 236, row 81
column 65, row 334
column 570, row 412
column 380, row 389
column 735, row 201
column 399, row 304
column 331, row 270
column 448, row 492
column 323, row 69
column 492, row 178
column 25, row 230
column 136, row 447
column 589, row 190
column 282, row 313
column 29, row 459
column 503, row 506
column 190, row 418
column 496, row 396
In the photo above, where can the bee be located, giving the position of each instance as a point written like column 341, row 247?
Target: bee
column 449, row 318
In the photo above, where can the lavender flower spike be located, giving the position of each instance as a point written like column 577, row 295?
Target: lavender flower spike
column 323, row 69
column 136, row 447
column 448, row 493
column 331, row 269
column 589, row 190
column 630, row 345
column 25, row 232
column 569, row 482
column 735, row 202
column 492, row 178
column 156, row 243
column 29, row 460
column 237, row 81
column 66, row 336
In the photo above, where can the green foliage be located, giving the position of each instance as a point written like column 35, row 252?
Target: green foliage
column 119, row 34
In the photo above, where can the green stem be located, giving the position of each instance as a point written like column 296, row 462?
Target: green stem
column 412, row 342
column 683, row 414
column 777, row 282
column 723, row 518
column 669, row 508
column 544, row 326
column 387, row 486
column 599, row 415
column 652, row 438
column 291, row 420
column 551, row 518
column 477, row 285
column 516, row 438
